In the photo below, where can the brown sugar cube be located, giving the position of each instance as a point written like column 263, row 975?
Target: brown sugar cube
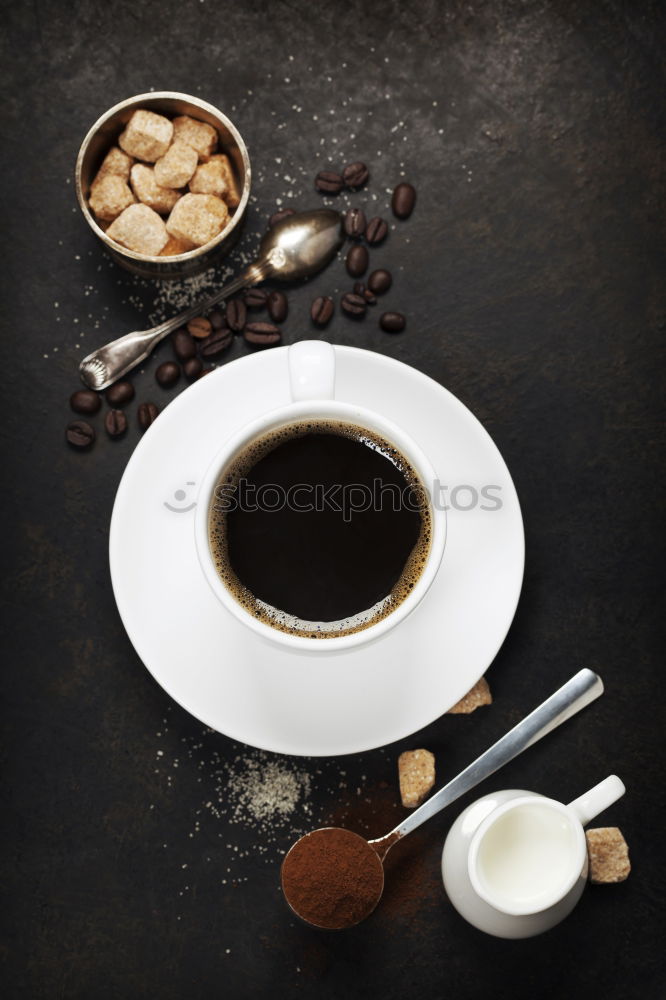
column 197, row 218
column 416, row 772
column 148, row 191
column 109, row 195
column 176, row 167
column 174, row 246
column 116, row 162
column 232, row 193
column 608, row 855
column 198, row 135
column 478, row 695
column 140, row 229
column 210, row 178
column 147, row 135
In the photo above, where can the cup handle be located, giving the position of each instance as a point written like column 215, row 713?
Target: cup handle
column 311, row 370
column 594, row 801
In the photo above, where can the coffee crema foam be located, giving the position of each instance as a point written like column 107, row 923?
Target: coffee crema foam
column 238, row 468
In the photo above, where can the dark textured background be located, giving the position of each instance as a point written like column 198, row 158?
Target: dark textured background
column 530, row 273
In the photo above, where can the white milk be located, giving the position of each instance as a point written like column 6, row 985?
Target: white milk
column 527, row 855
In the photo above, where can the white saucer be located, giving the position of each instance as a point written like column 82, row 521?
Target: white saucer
column 257, row 693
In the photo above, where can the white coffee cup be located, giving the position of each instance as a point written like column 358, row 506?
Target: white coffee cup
column 311, row 373
column 529, row 856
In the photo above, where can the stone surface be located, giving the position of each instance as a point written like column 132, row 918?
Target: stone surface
column 533, row 285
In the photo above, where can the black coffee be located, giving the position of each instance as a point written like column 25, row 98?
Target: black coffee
column 319, row 528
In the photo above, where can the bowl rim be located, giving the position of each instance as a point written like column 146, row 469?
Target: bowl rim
column 136, row 101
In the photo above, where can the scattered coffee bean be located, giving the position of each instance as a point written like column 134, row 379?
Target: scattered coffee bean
column 199, row 327
column 377, row 230
column 380, row 281
column 354, row 222
column 168, row 373
column 183, row 344
column 80, row 434
column 278, row 307
column 206, row 371
column 359, row 288
column 120, row 393
column 216, row 343
column 147, row 414
column 353, row 305
column 192, row 368
column 322, row 310
column 85, row 401
column 403, row 200
column 262, row 334
column 392, row 322
column 357, row 260
column 256, row 298
column 115, row 422
column 278, row 216
column 236, row 314
column 355, row 175
column 369, row 297
column 329, row 182
column 217, row 320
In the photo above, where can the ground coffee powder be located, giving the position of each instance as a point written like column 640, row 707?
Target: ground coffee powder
column 332, row 878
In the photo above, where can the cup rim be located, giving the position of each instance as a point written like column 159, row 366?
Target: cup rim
column 291, row 412
column 555, row 895
column 129, row 102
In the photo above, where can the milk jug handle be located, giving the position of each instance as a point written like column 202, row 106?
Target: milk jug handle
column 594, row 801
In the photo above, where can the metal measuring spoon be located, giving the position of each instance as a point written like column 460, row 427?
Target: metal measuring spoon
column 361, row 876
column 295, row 247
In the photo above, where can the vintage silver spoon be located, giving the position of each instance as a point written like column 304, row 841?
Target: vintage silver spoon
column 366, row 857
column 295, row 247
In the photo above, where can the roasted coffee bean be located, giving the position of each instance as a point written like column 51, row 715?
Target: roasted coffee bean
column 85, row 401
column 183, row 344
column 321, row 310
column 146, row 415
column 236, row 314
column 216, row 343
column 355, row 175
column 353, row 305
column 120, row 393
column 217, row 320
column 356, row 260
column 359, row 288
column 115, row 422
column 329, row 182
column 205, row 371
column 354, row 222
column 262, row 334
column 369, row 297
column 278, row 307
column 256, row 298
column 392, row 322
column 192, row 368
column 168, row 373
column 380, row 281
column 80, row 434
column 377, row 230
column 403, row 200
column 277, row 216
column 199, row 327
